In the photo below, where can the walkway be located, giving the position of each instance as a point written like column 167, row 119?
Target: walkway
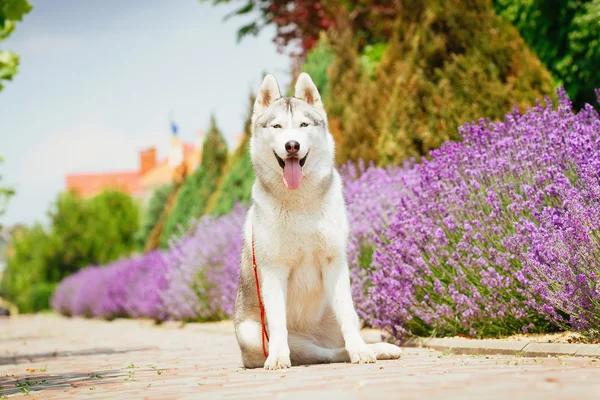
column 51, row 357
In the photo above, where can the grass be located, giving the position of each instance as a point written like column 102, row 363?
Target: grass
column 27, row 383
column 24, row 385
column 131, row 377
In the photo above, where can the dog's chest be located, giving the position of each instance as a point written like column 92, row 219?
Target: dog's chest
column 306, row 298
column 308, row 238
column 314, row 251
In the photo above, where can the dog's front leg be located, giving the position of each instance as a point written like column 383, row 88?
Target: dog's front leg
column 274, row 291
column 337, row 284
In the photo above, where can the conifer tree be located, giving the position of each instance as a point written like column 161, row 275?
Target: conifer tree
column 447, row 63
column 198, row 187
column 236, row 184
column 152, row 213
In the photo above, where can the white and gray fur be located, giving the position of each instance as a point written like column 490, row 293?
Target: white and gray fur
column 300, row 243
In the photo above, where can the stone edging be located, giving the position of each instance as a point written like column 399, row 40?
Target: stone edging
column 520, row 348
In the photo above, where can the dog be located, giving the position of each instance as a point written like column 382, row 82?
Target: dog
column 297, row 231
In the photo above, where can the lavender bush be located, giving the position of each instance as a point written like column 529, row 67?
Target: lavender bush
column 372, row 198
column 82, row 293
column 128, row 287
column 563, row 260
column 501, row 232
column 563, row 257
column 195, row 279
column 204, row 272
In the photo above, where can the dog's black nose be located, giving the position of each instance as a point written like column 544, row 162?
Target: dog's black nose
column 292, row 147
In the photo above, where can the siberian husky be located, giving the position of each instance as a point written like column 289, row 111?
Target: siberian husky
column 297, row 230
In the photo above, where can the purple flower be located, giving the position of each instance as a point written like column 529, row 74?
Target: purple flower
column 497, row 232
column 128, row 287
column 204, row 269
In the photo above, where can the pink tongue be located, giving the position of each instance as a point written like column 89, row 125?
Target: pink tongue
column 292, row 173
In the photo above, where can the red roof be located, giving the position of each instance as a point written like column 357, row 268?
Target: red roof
column 87, row 185
column 188, row 149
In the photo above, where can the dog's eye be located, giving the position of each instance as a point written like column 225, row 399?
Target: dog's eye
column 303, row 125
column 277, row 126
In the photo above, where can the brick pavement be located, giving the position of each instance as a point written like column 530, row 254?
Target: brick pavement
column 51, row 357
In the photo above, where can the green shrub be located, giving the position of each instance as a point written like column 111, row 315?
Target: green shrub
column 345, row 76
column 94, row 231
column 236, row 184
column 198, row 187
column 566, row 37
column 152, row 213
column 28, row 268
column 371, row 57
column 81, row 232
column 448, row 62
column 317, row 63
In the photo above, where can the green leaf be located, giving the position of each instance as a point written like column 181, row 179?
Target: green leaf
column 247, row 30
column 10, row 11
column 241, row 11
column 14, row 9
column 8, row 65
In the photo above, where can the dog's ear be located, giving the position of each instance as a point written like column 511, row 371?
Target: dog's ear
column 267, row 94
column 307, row 91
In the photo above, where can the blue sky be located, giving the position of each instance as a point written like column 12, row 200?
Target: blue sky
column 98, row 79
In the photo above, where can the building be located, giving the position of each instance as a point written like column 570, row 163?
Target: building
column 152, row 172
column 140, row 183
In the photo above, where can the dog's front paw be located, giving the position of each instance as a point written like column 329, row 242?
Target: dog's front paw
column 278, row 360
column 386, row 351
column 361, row 355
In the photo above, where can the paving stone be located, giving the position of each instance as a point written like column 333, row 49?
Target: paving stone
column 58, row 358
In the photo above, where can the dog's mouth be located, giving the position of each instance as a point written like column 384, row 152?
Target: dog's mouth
column 292, row 170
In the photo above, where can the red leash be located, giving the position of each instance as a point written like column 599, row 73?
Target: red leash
column 260, row 303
